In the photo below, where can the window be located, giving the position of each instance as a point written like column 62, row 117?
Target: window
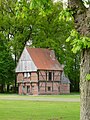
column 26, row 75
column 49, row 88
column 50, row 76
column 28, row 89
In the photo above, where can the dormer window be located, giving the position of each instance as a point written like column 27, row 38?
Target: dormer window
column 26, row 75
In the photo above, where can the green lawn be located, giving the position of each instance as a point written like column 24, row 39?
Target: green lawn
column 36, row 110
column 27, row 110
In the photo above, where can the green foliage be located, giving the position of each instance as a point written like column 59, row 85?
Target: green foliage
column 88, row 77
column 44, row 6
column 6, row 63
column 77, row 41
column 66, row 15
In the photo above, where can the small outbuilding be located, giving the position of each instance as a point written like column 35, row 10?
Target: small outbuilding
column 39, row 72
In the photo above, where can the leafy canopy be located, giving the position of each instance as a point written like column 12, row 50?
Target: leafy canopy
column 78, row 42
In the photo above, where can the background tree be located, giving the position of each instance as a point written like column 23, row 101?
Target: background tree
column 7, row 66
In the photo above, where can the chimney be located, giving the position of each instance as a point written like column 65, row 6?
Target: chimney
column 52, row 54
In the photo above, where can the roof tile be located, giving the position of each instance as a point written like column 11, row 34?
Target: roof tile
column 44, row 59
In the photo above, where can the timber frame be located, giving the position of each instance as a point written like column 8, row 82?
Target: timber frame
column 43, row 78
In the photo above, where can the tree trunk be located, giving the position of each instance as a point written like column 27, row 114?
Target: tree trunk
column 85, row 85
column 2, row 88
column 8, row 88
column 82, row 24
column 15, row 88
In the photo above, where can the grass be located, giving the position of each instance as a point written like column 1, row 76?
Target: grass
column 38, row 110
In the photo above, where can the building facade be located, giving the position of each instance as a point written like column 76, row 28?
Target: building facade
column 39, row 72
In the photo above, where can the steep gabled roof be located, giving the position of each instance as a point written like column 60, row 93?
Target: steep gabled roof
column 44, row 59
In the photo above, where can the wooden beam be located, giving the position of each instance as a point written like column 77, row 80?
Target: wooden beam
column 57, row 75
column 42, row 75
column 52, row 81
column 46, row 82
column 38, row 81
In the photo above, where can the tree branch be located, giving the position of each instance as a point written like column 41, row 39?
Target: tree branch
column 76, row 4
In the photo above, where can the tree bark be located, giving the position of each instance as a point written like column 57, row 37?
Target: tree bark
column 85, row 85
column 81, row 17
column 82, row 24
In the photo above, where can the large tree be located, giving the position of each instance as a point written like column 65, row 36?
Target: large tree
column 81, row 16
column 7, row 65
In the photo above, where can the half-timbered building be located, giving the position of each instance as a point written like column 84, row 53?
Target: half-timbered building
column 39, row 72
